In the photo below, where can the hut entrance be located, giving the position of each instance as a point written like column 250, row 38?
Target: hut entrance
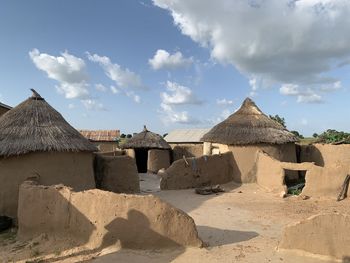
column 141, row 156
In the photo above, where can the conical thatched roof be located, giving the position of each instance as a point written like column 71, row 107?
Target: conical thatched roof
column 146, row 139
column 249, row 125
column 34, row 126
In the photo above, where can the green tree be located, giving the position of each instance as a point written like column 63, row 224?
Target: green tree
column 122, row 136
column 315, row 135
column 297, row 134
column 279, row 119
column 128, row 136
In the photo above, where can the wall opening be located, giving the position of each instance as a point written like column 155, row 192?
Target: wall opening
column 141, row 156
column 295, row 185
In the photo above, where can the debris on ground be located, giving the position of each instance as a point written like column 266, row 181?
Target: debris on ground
column 208, row 190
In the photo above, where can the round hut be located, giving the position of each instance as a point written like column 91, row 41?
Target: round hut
column 244, row 133
column 150, row 150
column 37, row 142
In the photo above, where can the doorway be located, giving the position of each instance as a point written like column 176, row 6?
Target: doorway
column 141, row 156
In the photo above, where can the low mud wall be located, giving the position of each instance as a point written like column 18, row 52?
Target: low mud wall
column 325, row 154
column 98, row 219
column 158, row 159
column 186, row 149
column 325, row 182
column 324, row 234
column 197, row 172
column 117, row 174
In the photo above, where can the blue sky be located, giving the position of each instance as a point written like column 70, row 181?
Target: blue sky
column 91, row 61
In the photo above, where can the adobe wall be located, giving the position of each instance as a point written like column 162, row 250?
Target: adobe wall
column 325, row 154
column 324, row 234
column 325, row 181
column 106, row 146
column 244, row 158
column 205, row 170
column 270, row 173
column 130, row 152
column 97, row 219
column 116, row 174
column 113, row 153
column 186, row 149
column 157, row 159
column 72, row 169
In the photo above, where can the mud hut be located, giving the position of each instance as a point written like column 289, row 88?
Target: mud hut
column 244, row 133
column 104, row 140
column 36, row 142
column 150, row 150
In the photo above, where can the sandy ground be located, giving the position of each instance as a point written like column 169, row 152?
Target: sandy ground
column 244, row 224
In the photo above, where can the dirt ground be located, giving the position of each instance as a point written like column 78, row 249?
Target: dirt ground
column 244, row 224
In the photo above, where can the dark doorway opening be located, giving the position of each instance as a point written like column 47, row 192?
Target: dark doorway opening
column 295, row 185
column 141, row 156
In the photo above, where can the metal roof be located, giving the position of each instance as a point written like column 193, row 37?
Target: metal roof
column 186, row 135
column 5, row 106
column 101, row 135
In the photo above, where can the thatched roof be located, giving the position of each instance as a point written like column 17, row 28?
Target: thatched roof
column 249, row 125
column 34, row 126
column 5, row 106
column 146, row 139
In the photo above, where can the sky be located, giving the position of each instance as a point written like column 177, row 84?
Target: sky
column 172, row 64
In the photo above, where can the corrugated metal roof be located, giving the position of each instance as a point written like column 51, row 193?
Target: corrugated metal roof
column 5, row 106
column 185, row 135
column 101, row 135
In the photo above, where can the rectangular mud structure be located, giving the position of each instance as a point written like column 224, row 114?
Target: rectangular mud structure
column 117, row 174
column 324, row 234
column 97, row 219
column 197, row 172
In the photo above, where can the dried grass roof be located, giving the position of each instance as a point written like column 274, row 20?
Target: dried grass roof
column 34, row 126
column 101, row 135
column 249, row 125
column 146, row 139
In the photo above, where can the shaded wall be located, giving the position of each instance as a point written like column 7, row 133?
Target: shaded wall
column 244, row 164
column 186, row 149
column 116, row 174
column 324, row 234
column 157, row 159
column 106, row 146
column 3, row 110
column 197, row 172
column 72, row 169
column 98, row 219
column 325, row 154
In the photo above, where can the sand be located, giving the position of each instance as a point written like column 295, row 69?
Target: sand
column 244, row 224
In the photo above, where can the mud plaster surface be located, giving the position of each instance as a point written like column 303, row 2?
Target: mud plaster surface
column 238, row 227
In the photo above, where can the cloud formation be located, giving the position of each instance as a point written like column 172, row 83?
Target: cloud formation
column 67, row 69
column 164, row 60
column 177, row 95
column 224, row 102
column 272, row 42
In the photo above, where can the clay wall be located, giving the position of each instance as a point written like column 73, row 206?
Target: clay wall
column 324, row 234
column 116, row 174
column 98, row 219
column 157, row 159
column 72, row 169
column 186, row 149
column 205, row 170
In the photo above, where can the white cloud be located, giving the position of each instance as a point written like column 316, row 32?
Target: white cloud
column 307, row 95
column 91, row 104
column 275, row 41
column 124, row 78
column 178, row 94
column 114, row 90
column 67, row 69
column 224, row 102
column 169, row 115
column 100, row 87
column 71, row 106
column 164, row 60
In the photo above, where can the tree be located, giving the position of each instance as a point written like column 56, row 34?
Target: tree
column 279, row 119
column 122, row 136
column 315, row 135
column 128, row 136
column 297, row 134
